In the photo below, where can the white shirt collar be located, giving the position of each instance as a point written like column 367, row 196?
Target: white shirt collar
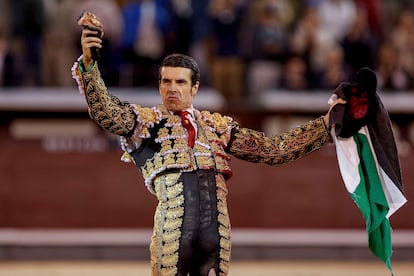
column 189, row 110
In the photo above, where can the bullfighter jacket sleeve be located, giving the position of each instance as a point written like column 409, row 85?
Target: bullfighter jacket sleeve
column 108, row 111
column 254, row 146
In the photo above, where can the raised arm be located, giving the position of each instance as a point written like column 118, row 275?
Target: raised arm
column 107, row 110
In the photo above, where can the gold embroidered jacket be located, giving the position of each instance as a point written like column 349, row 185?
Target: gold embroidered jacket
column 217, row 137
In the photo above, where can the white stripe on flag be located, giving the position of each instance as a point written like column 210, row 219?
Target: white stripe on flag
column 348, row 161
column 394, row 196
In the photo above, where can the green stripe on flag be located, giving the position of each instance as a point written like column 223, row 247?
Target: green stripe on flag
column 370, row 199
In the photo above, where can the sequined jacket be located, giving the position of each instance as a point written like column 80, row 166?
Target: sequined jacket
column 164, row 144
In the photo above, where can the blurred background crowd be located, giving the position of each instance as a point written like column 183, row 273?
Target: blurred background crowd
column 243, row 47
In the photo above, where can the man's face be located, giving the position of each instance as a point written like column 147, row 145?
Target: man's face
column 175, row 88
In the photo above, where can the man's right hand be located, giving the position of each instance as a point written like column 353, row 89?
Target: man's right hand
column 89, row 40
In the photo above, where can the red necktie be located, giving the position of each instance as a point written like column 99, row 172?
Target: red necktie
column 188, row 125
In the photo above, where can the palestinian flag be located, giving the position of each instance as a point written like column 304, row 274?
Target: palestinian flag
column 371, row 187
column 368, row 159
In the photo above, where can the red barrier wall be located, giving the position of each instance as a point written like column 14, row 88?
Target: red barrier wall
column 81, row 183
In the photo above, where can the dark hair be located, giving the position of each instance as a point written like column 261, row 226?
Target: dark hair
column 180, row 60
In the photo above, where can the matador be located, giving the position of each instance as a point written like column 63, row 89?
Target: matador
column 186, row 168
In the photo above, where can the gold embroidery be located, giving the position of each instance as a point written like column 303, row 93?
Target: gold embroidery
column 168, row 271
column 180, row 143
column 177, row 131
column 163, row 133
column 174, row 213
column 253, row 146
column 224, row 219
column 225, row 244
column 225, row 255
column 221, row 206
column 145, row 133
column 174, row 152
column 183, row 158
column 108, row 111
column 175, row 190
column 205, row 162
column 148, row 116
column 158, row 164
column 170, row 261
column 166, row 146
column 217, row 121
column 167, row 222
column 224, row 225
column 170, row 248
column 169, row 160
column 171, row 236
column 223, row 231
column 176, row 202
column 171, row 179
column 224, row 266
column 173, row 121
